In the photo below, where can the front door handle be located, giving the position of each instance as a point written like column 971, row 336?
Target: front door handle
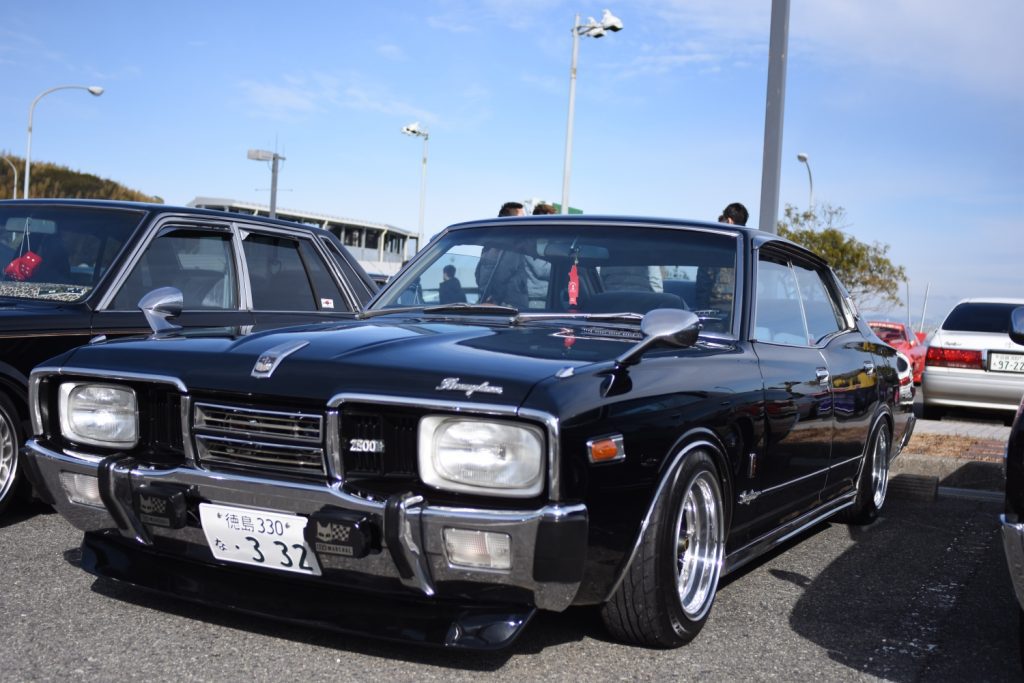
column 822, row 375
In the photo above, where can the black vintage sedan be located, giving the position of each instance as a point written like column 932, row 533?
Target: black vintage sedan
column 1012, row 519
column 71, row 270
column 589, row 411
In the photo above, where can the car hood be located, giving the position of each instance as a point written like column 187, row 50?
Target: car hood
column 488, row 363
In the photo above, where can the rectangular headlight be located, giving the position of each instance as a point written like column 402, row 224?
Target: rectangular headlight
column 481, row 455
column 98, row 414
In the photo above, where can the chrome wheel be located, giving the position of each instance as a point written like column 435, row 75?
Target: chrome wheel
column 880, row 468
column 8, row 455
column 700, row 534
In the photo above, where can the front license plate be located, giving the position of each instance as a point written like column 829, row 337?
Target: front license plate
column 258, row 537
column 1006, row 362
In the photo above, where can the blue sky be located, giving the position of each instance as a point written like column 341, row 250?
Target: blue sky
column 911, row 111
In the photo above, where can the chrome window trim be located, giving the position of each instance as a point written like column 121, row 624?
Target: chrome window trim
column 550, row 422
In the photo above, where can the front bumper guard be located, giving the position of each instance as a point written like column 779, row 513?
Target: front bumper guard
column 413, row 550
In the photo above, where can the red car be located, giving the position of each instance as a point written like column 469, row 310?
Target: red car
column 903, row 340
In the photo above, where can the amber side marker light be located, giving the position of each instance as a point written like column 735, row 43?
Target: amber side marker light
column 606, row 449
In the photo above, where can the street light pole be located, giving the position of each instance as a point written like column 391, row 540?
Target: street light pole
column 609, row 22
column 806, row 160
column 93, row 90
column 415, row 130
column 14, row 187
column 273, row 158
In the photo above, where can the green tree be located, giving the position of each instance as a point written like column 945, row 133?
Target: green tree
column 51, row 180
column 871, row 278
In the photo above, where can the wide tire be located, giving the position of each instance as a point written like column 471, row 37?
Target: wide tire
column 11, row 438
column 666, row 595
column 873, row 483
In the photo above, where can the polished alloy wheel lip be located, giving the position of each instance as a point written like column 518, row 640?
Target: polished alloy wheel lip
column 8, row 455
column 700, row 545
column 880, row 468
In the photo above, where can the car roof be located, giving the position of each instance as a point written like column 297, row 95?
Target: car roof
column 153, row 208
column 991, row 300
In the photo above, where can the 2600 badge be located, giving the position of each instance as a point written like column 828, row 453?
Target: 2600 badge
column 258, row 537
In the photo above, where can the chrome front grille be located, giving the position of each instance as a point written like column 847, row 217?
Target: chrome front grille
column 248, row 439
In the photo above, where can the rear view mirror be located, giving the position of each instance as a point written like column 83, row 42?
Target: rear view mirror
column 31, row 226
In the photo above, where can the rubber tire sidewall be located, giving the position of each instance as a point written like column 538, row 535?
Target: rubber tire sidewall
column 684, row 628
column 15, row 488
column 864, row 510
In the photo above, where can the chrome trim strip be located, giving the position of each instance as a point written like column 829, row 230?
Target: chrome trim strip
column 763, row 544
column 269, row 424
column 845, row 462
column 332, row 444
column 186, row 431
column 650, row 510
column 772, row 489
column 111, row 375
column 550, row 421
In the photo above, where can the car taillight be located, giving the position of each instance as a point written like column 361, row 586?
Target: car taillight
column 953, row 358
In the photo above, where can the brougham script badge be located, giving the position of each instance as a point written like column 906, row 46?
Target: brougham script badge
column 453, row 384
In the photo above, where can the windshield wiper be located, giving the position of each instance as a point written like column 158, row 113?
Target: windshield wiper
column 626, row 316
column 479, row 309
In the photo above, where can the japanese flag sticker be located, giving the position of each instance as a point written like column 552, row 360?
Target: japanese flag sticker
column 326, row 303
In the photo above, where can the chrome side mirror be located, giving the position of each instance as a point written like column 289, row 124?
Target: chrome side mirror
column 159, row 305
column 663, row 327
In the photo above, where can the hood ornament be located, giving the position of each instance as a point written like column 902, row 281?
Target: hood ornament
column 454, row 384
column 272, row 357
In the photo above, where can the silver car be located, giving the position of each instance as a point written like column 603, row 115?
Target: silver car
column 972, row 362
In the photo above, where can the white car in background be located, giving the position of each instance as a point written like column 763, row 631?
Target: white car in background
column 972, row 362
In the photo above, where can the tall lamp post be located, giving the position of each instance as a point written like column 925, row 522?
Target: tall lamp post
column 14, row 187
column 415, row 130
column 94, row 90
column 609, row 22
column 806, row 161
column 273, row 158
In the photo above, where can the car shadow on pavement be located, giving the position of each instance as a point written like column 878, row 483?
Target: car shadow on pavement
column 24, row 510
column 545, row 629
column 921, row 594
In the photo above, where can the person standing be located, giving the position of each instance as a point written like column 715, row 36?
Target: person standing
column 734, row 214
column 538, row 270
column 501, row 273
column 450, row 289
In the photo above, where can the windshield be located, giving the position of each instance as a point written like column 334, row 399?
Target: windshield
column 573, row 268
column 59, row 253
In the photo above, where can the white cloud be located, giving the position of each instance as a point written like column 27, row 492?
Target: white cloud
column 301, row 94
column 392, row 52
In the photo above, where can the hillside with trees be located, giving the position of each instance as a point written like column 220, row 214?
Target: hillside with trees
column 51, row 180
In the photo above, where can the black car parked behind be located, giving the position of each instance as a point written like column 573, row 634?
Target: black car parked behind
column 71, row 270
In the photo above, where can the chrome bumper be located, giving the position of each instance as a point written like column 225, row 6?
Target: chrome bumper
column 416, row 556
column 1013, row 544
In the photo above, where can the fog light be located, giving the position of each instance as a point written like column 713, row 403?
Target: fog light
column 82, row 488
column 471, row 548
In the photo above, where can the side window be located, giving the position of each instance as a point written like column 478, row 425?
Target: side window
column 819, row 307
column 328, row 296
column 276, row 274
column 200, row 264
column 778, row 314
